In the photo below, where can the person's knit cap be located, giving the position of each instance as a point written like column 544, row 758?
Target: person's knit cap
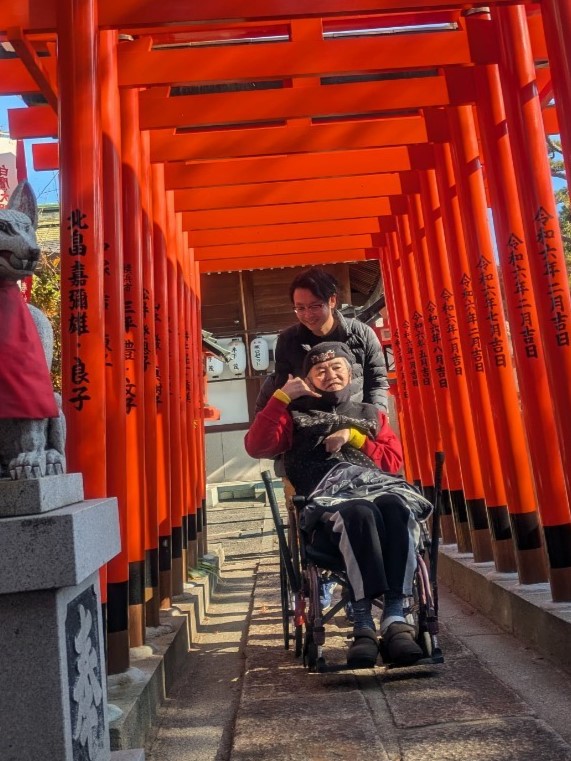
column 325, row 351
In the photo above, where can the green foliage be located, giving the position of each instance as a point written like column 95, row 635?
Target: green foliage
column 563, row 201
column 565, row 222
column 46, row 295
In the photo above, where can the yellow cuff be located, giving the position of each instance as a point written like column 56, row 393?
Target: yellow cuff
column 356, row 439
column 282, row 396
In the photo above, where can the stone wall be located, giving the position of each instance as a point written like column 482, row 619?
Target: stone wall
column 226, row 458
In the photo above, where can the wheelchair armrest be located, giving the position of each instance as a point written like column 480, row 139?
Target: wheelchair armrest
column 299, row 502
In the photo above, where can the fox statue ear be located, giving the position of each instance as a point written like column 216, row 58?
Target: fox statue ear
column 24, row 199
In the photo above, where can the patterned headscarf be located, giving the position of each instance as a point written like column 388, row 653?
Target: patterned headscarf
column 325, row 351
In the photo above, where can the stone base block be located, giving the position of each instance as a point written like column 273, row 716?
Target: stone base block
column 526, row 611
column 39, row 495
column 52, row 675
column 212, row 496
column 59, row 548
column 140, row 692
column 128, row 755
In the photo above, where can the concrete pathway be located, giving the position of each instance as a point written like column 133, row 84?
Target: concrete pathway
column 242, row 697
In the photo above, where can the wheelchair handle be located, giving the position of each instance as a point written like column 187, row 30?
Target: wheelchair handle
column 284, row 549
column 439, row 458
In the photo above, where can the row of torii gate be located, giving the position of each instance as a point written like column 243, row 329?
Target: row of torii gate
column 309, row 131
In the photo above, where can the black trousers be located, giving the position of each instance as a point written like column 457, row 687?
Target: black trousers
column 377, row 541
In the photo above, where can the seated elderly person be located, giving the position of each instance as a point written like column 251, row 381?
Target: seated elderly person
column 334, row 446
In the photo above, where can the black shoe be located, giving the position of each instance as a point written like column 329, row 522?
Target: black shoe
column 399, row 646
column 364, row 650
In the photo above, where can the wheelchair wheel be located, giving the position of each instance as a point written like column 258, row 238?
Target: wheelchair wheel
column 289, row 573
column 423, row 610
column 412, row 609
column 426, row 643
column 291, row 631
column 293, row 544
column 310, row 651
column 416, row 613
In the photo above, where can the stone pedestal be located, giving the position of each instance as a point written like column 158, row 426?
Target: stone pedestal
column 39, row 495
column 52, row 675
column 53, row 695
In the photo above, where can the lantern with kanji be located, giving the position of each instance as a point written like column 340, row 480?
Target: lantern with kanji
column 237, row 361
column 260, row 354
column 214, row 368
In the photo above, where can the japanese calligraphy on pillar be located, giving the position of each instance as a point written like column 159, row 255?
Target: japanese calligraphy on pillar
column 418, row 325
column 5, row 189
column 472, row 321
column 129, row 350
column 80, row 384
column 146, row 330
column 106, row 276
column 158, row 347
column 158, row 385
column 158, row 320
column 436, row 341
column 78, row 304
column 489, row 284
column 399, row 363
column 408, row 348
column 520, row 275
column 171, row 350
column 451, row 325
column 130, row 395
column 546, row 227
column 187, row 364
column 129, row 346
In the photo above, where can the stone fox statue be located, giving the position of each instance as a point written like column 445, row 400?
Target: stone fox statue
column 32, row 426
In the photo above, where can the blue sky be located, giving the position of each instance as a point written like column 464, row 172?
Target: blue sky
column 45, row 184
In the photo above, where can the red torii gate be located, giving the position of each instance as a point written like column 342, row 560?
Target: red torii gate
column 357, row 144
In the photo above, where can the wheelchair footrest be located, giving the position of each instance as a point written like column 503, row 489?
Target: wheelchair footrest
column 429, row 660
column 334, row 668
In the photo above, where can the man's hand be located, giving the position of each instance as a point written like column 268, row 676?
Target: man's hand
column 335, row 441
column 296, row 387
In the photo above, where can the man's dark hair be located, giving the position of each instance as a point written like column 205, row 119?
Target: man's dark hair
column 318, row 281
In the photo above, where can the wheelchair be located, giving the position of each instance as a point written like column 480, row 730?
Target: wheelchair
column 305, row 568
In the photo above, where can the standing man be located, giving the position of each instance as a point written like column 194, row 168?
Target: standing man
column 313, row 294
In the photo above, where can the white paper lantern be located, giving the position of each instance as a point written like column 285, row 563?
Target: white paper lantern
column 237, row 362
column 214, row 368
column 260, row 353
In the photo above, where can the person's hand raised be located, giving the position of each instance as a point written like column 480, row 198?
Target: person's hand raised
column 296, row 387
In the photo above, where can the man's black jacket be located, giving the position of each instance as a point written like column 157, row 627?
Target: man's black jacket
column 369, row 383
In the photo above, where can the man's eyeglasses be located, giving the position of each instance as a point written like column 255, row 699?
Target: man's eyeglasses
column 312, row 309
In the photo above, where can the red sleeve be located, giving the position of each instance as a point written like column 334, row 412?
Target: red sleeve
column 271, row 432
column 386, row 450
